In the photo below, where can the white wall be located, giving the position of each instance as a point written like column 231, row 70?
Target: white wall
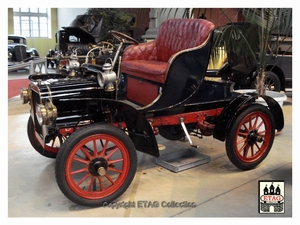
column 67, row 15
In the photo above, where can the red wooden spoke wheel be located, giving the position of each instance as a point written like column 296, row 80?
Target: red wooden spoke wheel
column 96, row 164
column 51, row 147
column 251, row 137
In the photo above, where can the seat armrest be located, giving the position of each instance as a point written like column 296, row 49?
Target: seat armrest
column 143, row 51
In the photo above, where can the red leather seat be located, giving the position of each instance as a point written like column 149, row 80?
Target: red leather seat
column 152, row 60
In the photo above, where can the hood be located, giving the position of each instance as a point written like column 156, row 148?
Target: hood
column 87, row 26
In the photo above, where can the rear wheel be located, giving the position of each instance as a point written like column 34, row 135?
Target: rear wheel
column 251, row 137
column 272, row 82
column 96, row 165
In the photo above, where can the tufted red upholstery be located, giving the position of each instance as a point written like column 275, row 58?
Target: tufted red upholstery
column 151, row 60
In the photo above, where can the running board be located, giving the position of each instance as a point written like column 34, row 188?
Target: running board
column 186, row 132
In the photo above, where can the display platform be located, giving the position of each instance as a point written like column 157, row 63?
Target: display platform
column 182, row 160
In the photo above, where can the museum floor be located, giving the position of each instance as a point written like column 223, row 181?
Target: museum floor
column 214, row 189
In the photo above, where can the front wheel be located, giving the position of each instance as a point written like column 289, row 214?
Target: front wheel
column 96, row 165
column 251, row 137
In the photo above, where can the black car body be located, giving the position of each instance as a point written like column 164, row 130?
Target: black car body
column 93, row 121
column 18, row 50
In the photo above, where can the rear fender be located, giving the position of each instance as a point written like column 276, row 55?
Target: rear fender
column 276, row 111
column 231, row 111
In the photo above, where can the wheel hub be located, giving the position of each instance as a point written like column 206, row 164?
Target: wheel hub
column 98, row 167
column 253, row 137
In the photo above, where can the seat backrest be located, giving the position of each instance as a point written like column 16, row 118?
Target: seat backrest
column 175, row 35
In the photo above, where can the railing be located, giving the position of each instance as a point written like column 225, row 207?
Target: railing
column 32, row 64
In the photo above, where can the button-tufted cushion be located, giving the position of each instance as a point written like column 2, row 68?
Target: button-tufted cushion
column 176, row 35
column 151, row 60
column 141, row 61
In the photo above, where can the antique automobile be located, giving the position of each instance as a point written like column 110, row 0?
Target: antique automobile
column 18, row 50
column 74, row 42
column 93, row 122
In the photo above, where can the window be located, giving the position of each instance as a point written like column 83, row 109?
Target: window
column 31, row 22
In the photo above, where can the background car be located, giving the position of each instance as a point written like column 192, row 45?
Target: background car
column 239, row 67
column 18, row 50
column 81, row 35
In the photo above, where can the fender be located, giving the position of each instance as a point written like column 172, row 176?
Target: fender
column 123, row 115
column 139, row 129
column 228, row 115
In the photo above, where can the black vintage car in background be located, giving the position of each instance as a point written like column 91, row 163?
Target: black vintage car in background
column 76, row 40
column 80, row 42
column 18, row 50
column 239, row 67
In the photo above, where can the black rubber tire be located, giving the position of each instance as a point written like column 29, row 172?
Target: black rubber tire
column 244, row 136
column 272, row 82
column 49, row 152
column 91, row 192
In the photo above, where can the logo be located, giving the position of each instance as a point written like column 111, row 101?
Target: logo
column 271, row 196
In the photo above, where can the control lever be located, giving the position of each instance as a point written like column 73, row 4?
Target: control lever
column 186, row 132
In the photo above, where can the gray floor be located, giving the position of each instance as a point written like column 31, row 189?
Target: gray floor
column 215, row 189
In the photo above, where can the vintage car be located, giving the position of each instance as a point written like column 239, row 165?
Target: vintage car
column 18, row 50
column 241, row 69
column 75, row 41
column 94, row 121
